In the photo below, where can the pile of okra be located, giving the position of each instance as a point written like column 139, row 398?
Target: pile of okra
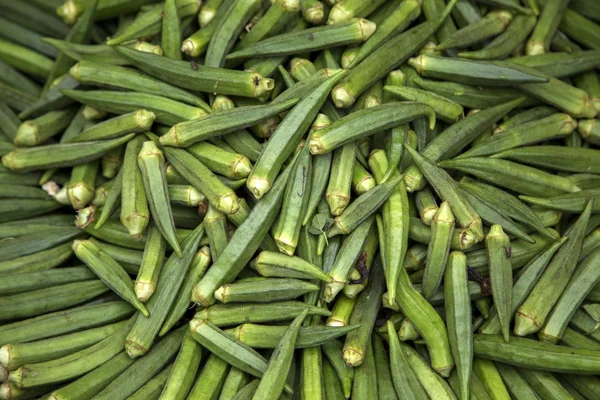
column 300, row 199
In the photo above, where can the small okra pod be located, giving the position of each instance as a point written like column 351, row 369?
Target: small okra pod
column 434, row 384
column 198, row 175
column 141, row 337
column 494, row 23
column 81, row 185
column 345, row 10
column 364, row 314
column 404, row 379
column 489, row 376
column 135, row 122
column 135, row 214
column 546, row 27
column 552, row 127
column 276, row 265
column 346, row 258
column 107, row 269
column 171, row 31
column 362, row 180
column 428, row 323
column 395, row 22
column 487, row 73
column 446, row 110
column 499, row 251
column 274, row 378
column 426, row 204
column 198, row 267
column 167, row 111
column 313, row 11
column 38, row 130
column 183, row 371
column 232, row 351
column 321, row 166
column 442, row 228
column 226, row 33
column 458, row 318
column 152, row 262
column 363, row 207
column 114, row 76
column 186, row 195
column 350, row 32
column 532, row 314
column 232, row 314
column 243, row 244
column 149, row 23
column 286, row 230
column 584, row 279
column 337, row 193
column 341, row 312
column 220, row 123
column 449, row 191
column 111, row 162
column 215, row 225
column 211, row 379
column 287, row 136
column 112, row 200
column 367, row 122
column 385, row 59
column 532, row 114
column 263, row 290
column 533, row 354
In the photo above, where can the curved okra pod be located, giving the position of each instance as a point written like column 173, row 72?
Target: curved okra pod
column 442, row 228
column 499, row 251
column 287, row 136
column 263, row 290
column 144, row 331
column 244, row 242
column 385, row 59
column 520, row 178
column 396, row 216
column 167, row 111
column 275, row 375
column 533, row 312
column 350, row 32
column 113, row 76
column 494, row 23
column 151, row 163
column 449, row 191
column 584, row 279
column 372, row 120
column 221, row 123
column 552, row 127
column 486, row 73
column 109, row 271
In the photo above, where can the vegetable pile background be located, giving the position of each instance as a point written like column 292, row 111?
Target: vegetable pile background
column 299, row 199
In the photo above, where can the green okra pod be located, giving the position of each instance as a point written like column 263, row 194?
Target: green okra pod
column 231, row 314
column 573, row 202
column 430, row 379
column 338, row 188
column 151, row 163
column 221, row 123
column 107, row 269
column 492, row 24
column 235, row 381
column 547, row 24
column 135, row 122
column 135, row 214
column 277, row 265
column 151, row 264
column 445, row 109
column 554, row 157
column 211, row 379
column 490, row 378
column 286, row 137
column 36, row 131
column 24, row 59
column 442, row 228
column 263, row 290
column 561, row 65
column 216, row 229
column 171, row 31
column 184, row 369
column 499, row 251
column 532, row 314
column 144, row 331
column 404, row 379
column 372, row 120
column 80, row 188
column 154, row 387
